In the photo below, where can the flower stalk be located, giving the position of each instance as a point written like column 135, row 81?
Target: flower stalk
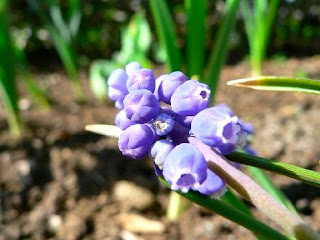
column 255, row 194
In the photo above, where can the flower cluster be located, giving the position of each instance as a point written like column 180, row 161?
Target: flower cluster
column 158, row 115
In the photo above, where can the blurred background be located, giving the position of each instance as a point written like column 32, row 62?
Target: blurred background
column 58, row 181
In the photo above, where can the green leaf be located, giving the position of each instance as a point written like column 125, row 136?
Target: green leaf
column 196, row 36
column 143, row 34
column 127, row 46
column 258, row 27
column 135, row 40
column 279, row 83
column 38, row 96
column 74, row 16
column 99, row 73
column 166, row 33
column 8, row 90
column 301, row 174
column 232, row 199
column 64, row 49
column 231, row 213
column 219, row 51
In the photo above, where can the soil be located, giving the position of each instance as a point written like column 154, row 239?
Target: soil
column 60, row 182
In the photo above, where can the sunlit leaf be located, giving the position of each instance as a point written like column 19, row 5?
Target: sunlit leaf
column 196, row 36
column 99, row 73
column 292, row 171
column 279, row 83
column 166, row 33
column 219, row 51
column 231, row 213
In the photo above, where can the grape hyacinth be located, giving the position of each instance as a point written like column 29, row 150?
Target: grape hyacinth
column 159, row 115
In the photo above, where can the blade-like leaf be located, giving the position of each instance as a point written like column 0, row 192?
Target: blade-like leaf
column 36, row 93
column 8, row 90
column 269, row 19
column 196, row 34
column 64, row 49
column 279, row 83
column 219, row 51
column 302, row 174
column 166, row 33
column 74, row 16
column 231, row 213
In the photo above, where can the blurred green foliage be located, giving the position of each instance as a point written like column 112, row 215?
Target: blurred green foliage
column 296, row 33
column 135, row 44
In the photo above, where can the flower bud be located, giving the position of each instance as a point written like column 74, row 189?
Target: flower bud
column 117, row 88
column 119, row 104
column 158, row 84
column 185, row 168
column 179, row 134
column 136, row 140
column 184, row 120
column 141, row 79
column 169, row 84
column 162, row 124
column 190, row 98
column 157, row 170
column 132, row 67
column 160, row 150
column 141, row 106
column 213, row 186
column 217, row 128
column 122, row 121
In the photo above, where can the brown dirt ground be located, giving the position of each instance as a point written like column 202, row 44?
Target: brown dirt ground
column 61, row 182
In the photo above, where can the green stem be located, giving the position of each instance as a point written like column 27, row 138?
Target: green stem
column 231, row 213
column 177, row 205
column 254, row 193
column 301, row 174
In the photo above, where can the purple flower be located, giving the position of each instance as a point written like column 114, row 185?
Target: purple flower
column 117, row 88
column 184, row 120
column 132, row 67
column 190, row 98
column 179, row 134
column 213, row 186
column 247, row 127
column 157, row 170
column 119, row 104
column 136, row 140
column 250, row 151
column 158, row 84
column 122, row 121
column 160, row 150
column 163, row 124
column 217, row 128
column 185, row 168
column 141, row 79
column 141, row 106
column 169, row 83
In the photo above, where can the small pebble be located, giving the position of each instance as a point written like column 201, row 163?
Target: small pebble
column 54, row 223
column 133, row 195
column 138, row 224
